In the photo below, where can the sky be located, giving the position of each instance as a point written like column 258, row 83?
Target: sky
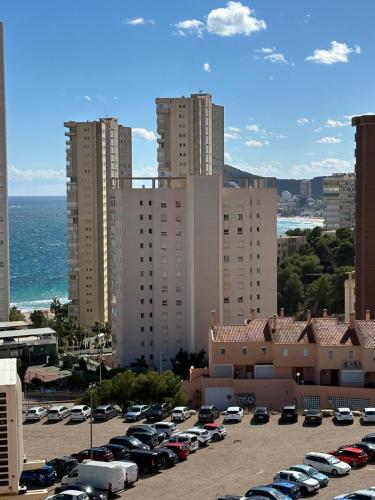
column 290, row 74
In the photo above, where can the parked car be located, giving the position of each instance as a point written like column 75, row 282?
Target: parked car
column 118, row 450
column 313, row 417
column 322, row 479
column 266, row 492
column 58, row 412
column 136, row 412
column 69, row 494
column 100, row 454
column 208, row 413
column 190, row 439
column 92, row 493
column 147, row 428
column 217, row 431
column 368, row 416
column 44, row 476
column 261, row 414
column 168, row 428
column 158, row 412
column 307, row 485
column 369, row 438
column 352, row 456
column 148, row 461
column 344, row 415
column 286, row 487
column 233, row 414
column 62, row 465
column 204, row 437
column 180, row 449
column 130, row 442
column 35, row 413
column 104, row 412
column 368, row 448
column 289, row 413
column 80, row 412
column 357, row 495
column 147, row 436
column 170, row 456
column 326, row 463
column 180, row 414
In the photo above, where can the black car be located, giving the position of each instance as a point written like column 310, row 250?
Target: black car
column 369, row 438
column 147, row 460
column 147, row 437
column 261, row 414
column 158, row 412
column 313, row 417
column 92, row 493
column 118, row 450
column 289, row 413
column 208, row 413
column 148, row 428
column 63, row 465
column 170, row 456
column 130, row 442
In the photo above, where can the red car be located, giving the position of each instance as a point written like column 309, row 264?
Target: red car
column 100, row 453
column 352, row 456
column 181, row 449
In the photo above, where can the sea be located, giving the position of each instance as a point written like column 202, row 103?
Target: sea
column 38, row 249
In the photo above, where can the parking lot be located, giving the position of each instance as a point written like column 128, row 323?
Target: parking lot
column 250, row 455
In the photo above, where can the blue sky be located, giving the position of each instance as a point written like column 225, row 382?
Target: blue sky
column 290, row 73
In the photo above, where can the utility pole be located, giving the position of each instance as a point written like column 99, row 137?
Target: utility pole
column 91, row 450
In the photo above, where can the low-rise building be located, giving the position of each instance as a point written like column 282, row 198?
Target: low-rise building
column 40, row 342
column 288, row 245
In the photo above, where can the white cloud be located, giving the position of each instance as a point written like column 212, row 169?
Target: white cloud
column 232, row 134
column 266, row 50
column 227, row 157
column 254, row 143
column 339, row 52
column 303, row 121
column 17, row 174
column 137, row 21
column 264, row 169
column 234, row 129
column 143, row 133
column 329, row 140
column 88, row 98
column 145, row 172
column 190, row 27
column 207, row 67
column 337, row 123
column 270, row 54
column 254, row 128
column 322, row 167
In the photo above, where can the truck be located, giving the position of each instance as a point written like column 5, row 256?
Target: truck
column 110, row 476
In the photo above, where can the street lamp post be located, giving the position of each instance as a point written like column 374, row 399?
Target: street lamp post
column 91, row 386
column 298, row 376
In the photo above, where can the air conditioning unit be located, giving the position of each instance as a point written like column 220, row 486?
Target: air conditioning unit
column 345, row 364
column 358, row 364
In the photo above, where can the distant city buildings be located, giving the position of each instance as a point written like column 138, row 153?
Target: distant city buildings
column 288, row 245
column 4, row 236
column 305, row 189
column 96, row 153
column 339, row 201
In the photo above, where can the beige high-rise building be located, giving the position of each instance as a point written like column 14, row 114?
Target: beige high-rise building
column 4, row 235
column 191, row 136
column 179, row 252
column 339, row 201
column 96, row 152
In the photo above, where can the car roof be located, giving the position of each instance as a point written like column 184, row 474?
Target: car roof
column 283, row 483
column 57, row 407
column 180, row 408
column 318, row 454
column 36, row 408
column 233, row 408
column 79, row 406
column 343, row 409
column 369, row 408
column 289, row 406
column 102, row 406
column 207, row 406
column 287, row 471
column 351, row 448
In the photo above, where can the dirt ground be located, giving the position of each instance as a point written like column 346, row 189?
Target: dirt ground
column 250, row 455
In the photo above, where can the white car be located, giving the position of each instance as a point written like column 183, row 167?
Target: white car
column 233, row 414
column 69, row 495
column 344, row 415
column 306, row 484
column 168, row 428
column 217, row 431
column 362, row 494
column 35, row 413
column 180, row 414
column 368, row 415
column 203, row 436
column 58, row 412
column 190, row 439
column 326, row 463
column 80, row 412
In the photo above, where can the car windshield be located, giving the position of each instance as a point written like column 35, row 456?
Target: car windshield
column 288, row 410
column 345, row 412
column 233, row 412
column 157, row 407
column 177, row 411
column 311, row 470
column 205, row 411
column 260, row 410
column 301, row 476
column 135, row 409
column 313, row 412
column 372, row 412
column 76, row 410
column 53, row 411
column 100, row 410
column 333, row 460
column 31, row 411
column 276, row 493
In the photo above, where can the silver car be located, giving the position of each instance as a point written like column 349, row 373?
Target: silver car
column 306, row 484
column 35, row 413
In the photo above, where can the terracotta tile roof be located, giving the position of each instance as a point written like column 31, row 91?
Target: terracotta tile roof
column 366, row 330
column 256, row 331
column 292, row 332
column 330, row 332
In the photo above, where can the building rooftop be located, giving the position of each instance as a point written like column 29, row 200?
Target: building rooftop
column 29, row 332
column 8, row 371
column 12, row 324
column 366, row 329
column 292, row 332
column 330, row 332
column 257, row 330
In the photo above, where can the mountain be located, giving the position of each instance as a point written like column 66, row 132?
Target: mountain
column 291, row 185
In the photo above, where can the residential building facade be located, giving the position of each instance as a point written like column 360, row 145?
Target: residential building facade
column 4, row 234
column 288, row 245
column 339, row 201
column 96, row 152
column 179, row 252
column 305, row 189
column 191, row 136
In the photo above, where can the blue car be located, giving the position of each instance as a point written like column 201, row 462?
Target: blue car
column 322, row 479
column 289, row 489
column 45, row 476
column 266, row 492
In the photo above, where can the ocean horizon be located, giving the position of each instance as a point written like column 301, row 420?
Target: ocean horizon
column 38, row 249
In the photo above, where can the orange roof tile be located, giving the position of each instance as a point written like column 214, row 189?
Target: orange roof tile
column 366, row 330
column 292, row 332
column 257, row 330
column 330, row 332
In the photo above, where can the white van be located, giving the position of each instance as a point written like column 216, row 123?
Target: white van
column 368, row 415
column 109, row 476
column 58, row 412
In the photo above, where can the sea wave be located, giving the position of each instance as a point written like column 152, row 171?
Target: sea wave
column 31, row 305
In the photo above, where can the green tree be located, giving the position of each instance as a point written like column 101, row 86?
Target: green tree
column 38, row 319
column 319, row 295
column 183, row 360
column 291, row 297
column 16, row 315
column 343, row 255
column 68, row 363
column 23, row 362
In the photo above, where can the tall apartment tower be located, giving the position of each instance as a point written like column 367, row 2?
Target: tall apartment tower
column 339, row 201
column 191, row 136
column 96, row 152
column 365, row 215
column 305, row 189
column 4, row 235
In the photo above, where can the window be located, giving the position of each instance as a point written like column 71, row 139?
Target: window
column 142, row 328
column 240, row 300
column 330, row 354
column 244, row 350
column 178, row 302
column 141, row 217
column 150, row 203
column 258, row 296
column 140, row 203
column 285, row 353
column 150, row 231
column 164, row 303
column 258, row 229
column 164, row 233
column 141, row 245
column 258, row 283
column 239, row 258
column 226, row 231
column 164, row 288
column 141, row 259
column 226, row 258
column 226, row 216
column 142, row 287
column 142, row 301
column 222, row 350
column 178, row 204
column 306, row 352
column 351, row 355
column 239, row 216
column 239, row 230
column 258, row 310
column 226, row 300
column 141, row 231
column 163, row 204
column 164, row 217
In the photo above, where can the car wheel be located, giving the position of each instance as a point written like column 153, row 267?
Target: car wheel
column 215, row 437
column 335, row 472
column 304, row 491
column 354, row 464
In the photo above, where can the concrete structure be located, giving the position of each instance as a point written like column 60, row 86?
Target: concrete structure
column 349, row 295
column 191, row 136
column 339, row 201
column 288, row 245
column 305, row 189
column 96, row 152
column 266, row 358
column 4, row 236
column 365, row 215
column 286, row 196
column 178, row 252
column 40, row 342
